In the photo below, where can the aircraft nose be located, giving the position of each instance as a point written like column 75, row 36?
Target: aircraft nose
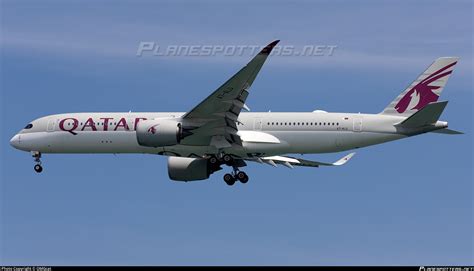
column 15, row 141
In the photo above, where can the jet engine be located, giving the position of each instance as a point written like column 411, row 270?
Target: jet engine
column 159, row 132
column 188, row 169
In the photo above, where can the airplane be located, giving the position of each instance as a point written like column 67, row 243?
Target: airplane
column 215, row 133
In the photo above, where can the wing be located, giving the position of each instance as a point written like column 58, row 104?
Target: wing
column 214, row 120
column 447, row 131
column 291, row 162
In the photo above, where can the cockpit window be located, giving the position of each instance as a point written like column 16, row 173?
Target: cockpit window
column 29, row 126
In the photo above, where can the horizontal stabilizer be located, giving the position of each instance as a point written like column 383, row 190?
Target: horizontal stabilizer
column 447, row 132
column 426, row 116
column 291, row 161
column 343, row 160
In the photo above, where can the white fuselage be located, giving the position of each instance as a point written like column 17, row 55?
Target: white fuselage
column 262, row 133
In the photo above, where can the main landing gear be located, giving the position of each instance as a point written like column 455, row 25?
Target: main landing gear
column 37, row 156
column 215, row 163
column 241, row 176
column 223, row 159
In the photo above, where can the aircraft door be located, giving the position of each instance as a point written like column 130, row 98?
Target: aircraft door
column 357, row 126
column 51, row 125
column 257, row 125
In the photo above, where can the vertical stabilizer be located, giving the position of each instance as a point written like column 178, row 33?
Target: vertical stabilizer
column 424, row 90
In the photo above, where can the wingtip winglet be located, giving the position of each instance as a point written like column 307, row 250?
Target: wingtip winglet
column 344, row 159
column 268, row 49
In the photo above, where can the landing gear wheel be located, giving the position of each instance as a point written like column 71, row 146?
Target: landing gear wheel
column 227, row 159
column 38, row 168
column 214, row 164
column 242, row 177
column 229, row 179
column 213, row 160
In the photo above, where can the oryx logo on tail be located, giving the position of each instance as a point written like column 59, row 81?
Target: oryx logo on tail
column 423, row 92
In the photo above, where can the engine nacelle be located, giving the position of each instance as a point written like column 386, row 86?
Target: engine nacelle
column 188, row 169
column 159, row 132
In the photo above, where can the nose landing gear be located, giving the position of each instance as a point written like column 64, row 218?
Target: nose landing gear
column 38, row 168
column 37, row 156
